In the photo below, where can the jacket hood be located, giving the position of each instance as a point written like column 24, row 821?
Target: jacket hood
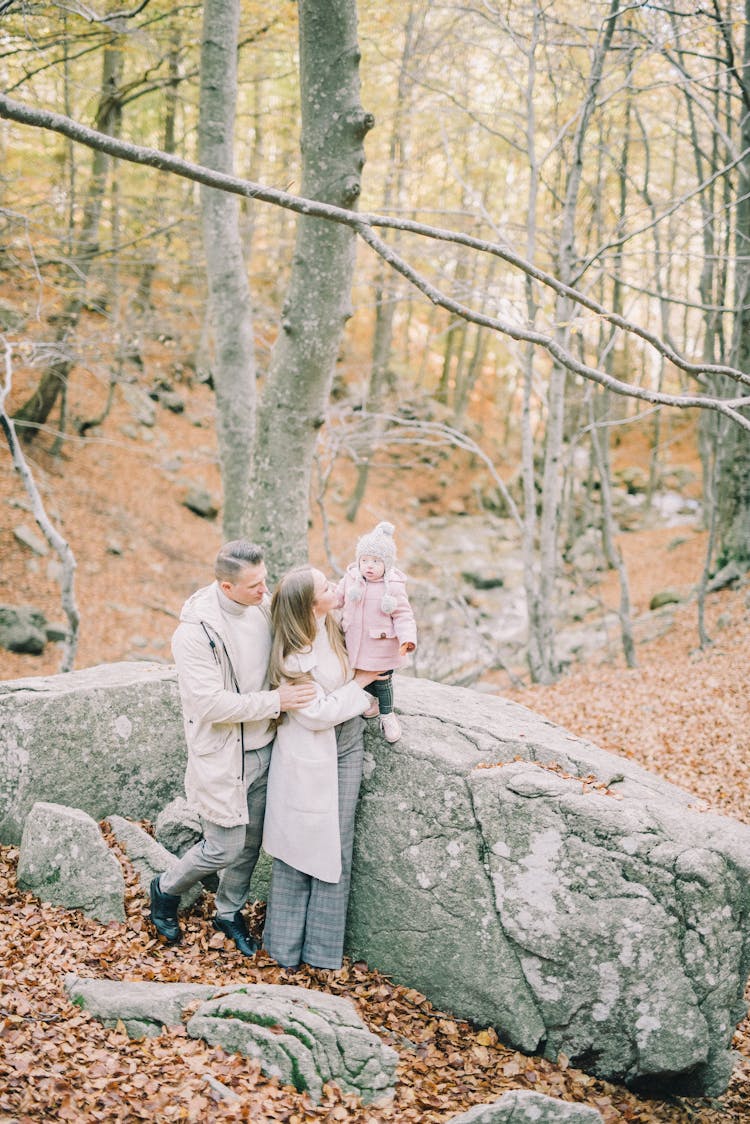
column 203, row 606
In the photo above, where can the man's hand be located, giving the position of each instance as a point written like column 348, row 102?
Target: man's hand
column 293, row 696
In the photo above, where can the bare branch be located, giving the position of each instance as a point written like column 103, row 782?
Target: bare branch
column 363, row 224
column 729, row 407
column 53, row 537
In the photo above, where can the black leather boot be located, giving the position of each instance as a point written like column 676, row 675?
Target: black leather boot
column 236, row 929
column 164, row 913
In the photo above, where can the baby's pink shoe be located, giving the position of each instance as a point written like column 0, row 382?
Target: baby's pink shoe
column 373, row 709
column 390, row 727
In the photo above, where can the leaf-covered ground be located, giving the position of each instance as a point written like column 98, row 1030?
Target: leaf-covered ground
column 60, row 1064
column 683, row 712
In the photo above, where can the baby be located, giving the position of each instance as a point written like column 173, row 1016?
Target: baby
column 378, row 621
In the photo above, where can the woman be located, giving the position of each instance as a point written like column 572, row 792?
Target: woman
column 314, row 776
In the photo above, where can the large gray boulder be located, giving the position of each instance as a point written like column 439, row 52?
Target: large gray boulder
column 305, row 1038
column 64, row 860
column 517, row 875
column 521, row 1106
column 603, row 919
column 107, row 739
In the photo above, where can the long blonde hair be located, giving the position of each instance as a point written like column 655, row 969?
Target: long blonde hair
column 295, row 625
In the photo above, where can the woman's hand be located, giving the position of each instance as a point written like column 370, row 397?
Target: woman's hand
column 365, row 678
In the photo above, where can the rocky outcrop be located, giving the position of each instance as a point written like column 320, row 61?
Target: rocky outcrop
column 303, row 1037
column 601, row 918
column 64, row 860
column 517, row 875
column 520, row 1106
column 143, row 1007
column 107, row 739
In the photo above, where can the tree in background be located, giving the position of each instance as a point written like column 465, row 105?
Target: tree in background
column 226, row 271
column 317, row 304
column 483, row 74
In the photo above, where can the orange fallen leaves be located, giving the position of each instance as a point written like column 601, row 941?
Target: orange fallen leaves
column 58, row 1063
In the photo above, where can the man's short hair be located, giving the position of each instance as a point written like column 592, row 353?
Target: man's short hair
column 234, row 557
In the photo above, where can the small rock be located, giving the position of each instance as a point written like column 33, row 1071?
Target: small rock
column 143, row 409
column 665, row 597
column 522, row 1106
column 305, row 1038
column 22, row 629
column 31, row 539
column 114, row 547
column 727, row 576
column 635, row 479
column 201, row 502
column 482, row 581
column 56, row 633
column 173, row 401
column 64, row 860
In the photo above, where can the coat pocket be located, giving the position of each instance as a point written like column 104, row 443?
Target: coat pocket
column 215, row 739
column 311, row 785
column 385, row 633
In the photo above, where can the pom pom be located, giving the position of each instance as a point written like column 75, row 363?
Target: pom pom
column 389, row 603
column 385, row 528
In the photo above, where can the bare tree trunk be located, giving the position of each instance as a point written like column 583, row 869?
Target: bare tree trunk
column 553, row 460
column 147, row 271
column 228, row 287
column 467, row 382
column 535, row 655
column 733, row 486
column 37, row 408
column 317, row 304
column 609, row 531
column 387, row 283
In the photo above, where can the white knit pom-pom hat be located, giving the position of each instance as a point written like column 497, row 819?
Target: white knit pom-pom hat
column 379, row 544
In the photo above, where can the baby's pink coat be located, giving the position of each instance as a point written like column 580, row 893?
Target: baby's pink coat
column 373, row 638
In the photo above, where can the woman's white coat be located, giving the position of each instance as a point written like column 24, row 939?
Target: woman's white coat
column 302, row 810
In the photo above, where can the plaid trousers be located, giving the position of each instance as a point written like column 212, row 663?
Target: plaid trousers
column 382, row 690
column 231, row 850
column 306, row 917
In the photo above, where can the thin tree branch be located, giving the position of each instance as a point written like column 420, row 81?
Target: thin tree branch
column 363, row 224
column 53, row 537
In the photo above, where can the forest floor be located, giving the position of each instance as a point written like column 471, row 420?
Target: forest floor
column 682, row 713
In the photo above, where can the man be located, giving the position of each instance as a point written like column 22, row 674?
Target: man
column 221, row 648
